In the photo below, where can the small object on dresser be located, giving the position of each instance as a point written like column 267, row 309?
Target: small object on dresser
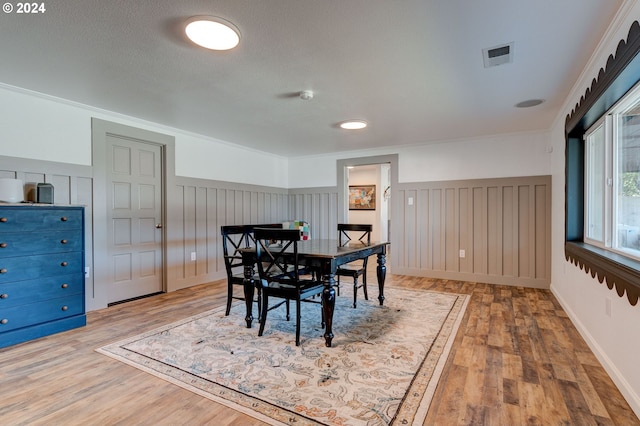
column 11, row 190
column 44, row 193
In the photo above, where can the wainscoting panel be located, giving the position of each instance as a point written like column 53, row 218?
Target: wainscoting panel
column 199, row 209
column 491, row 230
column 72, row 184
column 319, row 207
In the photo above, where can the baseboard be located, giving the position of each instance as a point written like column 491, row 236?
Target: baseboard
column 471, row 277
column 618, row 378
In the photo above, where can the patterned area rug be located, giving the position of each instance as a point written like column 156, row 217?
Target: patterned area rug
column 382, row 368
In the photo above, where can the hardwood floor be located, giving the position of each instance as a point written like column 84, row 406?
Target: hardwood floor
column 517, row 360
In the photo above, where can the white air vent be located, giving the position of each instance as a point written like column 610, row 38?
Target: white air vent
column 498, row 55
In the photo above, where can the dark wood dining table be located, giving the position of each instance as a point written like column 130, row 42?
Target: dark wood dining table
column 323, row 256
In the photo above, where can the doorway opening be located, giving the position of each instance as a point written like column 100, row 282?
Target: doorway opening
column 381, row 172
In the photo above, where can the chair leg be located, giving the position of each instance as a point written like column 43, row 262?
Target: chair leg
column 263, row 313
column 298, row 322
column 364, row 286
column 229, row 298
column 355, row 290
column 288, row 311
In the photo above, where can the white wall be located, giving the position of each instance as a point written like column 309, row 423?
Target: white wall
column 40, row 127
column 615, row 339
column 478, row 158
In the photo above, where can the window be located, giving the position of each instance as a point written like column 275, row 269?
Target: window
column 627, row 179
column 602, row 174
column 595, row 199
column 612, row 179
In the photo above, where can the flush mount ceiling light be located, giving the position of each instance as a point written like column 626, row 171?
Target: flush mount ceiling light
column 353, row 124
column 212, row 32
column 529, row 103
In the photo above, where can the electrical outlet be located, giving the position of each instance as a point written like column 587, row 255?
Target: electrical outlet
column 410, row 201
column 193, row 255
column 462, row 253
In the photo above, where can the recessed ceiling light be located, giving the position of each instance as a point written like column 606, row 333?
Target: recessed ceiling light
column 353, row 124
column 212, row 32
column 529, row 103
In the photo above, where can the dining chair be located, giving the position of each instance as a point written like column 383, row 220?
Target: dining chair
column 235, row 238
column 348, row 233
column 280, row 273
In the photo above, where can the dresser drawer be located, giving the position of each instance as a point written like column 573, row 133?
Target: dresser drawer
column 40, row 266
column 35, row 218
column 24, row 243
column 36, row 313
column 32, row 291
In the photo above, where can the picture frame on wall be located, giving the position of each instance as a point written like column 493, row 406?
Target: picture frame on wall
column 362, row 197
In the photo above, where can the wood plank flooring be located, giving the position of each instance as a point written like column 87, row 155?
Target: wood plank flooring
column 517, row 360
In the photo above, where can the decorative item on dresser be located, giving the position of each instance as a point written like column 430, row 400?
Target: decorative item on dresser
column 41, row 271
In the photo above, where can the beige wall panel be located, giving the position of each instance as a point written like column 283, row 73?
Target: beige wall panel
column 451, row 217
column 424, row 241
column 204, row 207
column 437, row 229
column 480, row 237
column 525, row 228
column 318, row 206
column 503, row 225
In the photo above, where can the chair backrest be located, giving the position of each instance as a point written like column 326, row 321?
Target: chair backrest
column 350, row 231
column 277, row 251
column 236, row 237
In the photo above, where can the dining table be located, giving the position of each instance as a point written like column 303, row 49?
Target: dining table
column 323, row 256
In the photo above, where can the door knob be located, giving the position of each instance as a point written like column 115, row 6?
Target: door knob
column 158, row 226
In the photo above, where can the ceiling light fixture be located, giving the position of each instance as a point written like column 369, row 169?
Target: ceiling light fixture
column 212, row 32
column 353, row 124
column 529, row 103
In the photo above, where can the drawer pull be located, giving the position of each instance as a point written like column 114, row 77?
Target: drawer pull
column 65, row 285
column 64, row 308
column 3, row 219
column 63, row 264
column 4, row 321
column 63, row 241
column 3, row 271
column 3, row 245
column 4, row 296
column 63, row 218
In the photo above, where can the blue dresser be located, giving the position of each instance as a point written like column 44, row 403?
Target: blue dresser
column 41, row 271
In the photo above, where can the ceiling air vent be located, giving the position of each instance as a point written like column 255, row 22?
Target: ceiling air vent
column 498, row 55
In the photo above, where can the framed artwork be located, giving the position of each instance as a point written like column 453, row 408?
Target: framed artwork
column 362, row 197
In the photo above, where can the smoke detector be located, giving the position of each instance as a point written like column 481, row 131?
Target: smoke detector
column 498, row 55
column 306, row 95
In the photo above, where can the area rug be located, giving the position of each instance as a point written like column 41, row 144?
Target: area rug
column 383, row 366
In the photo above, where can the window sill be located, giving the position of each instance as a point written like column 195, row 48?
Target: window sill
column 614, row 269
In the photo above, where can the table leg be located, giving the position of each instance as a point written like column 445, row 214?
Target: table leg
column 382, row 274
column 328, row 305
column 249, row 287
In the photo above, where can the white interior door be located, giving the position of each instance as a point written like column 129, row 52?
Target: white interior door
column 134, row 218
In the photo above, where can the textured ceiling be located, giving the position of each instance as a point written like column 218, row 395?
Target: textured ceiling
column 412, row 68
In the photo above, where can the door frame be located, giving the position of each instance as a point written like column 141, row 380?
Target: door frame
column 343, row 190
column 100, row 129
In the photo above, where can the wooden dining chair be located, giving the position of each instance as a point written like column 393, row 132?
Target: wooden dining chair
column 280, row 273
column 350, row 233
column 235, row 238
